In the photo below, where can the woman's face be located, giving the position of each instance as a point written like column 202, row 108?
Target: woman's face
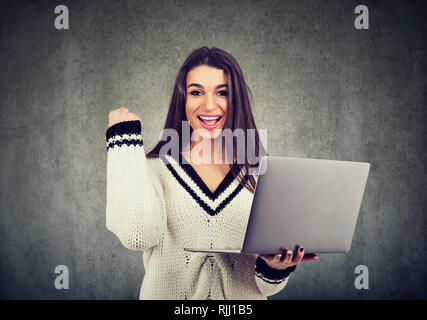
column 206, row 102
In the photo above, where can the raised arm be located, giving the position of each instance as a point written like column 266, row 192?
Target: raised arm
column 135, row 206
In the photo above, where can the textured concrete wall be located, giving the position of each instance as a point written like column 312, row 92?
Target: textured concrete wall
column 322, row 89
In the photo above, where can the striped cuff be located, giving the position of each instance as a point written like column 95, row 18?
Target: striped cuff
column 125, row 132
column 270, row 275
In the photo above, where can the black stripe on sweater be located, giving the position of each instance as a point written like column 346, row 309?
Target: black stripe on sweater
column 270, row 275
column 124, row 127
column 135, row 142
column 121, row 128
column 225, row 183
column 201, row 203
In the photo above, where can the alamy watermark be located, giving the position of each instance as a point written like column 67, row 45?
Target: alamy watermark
column 62, row 281
column 62, row 20
column 231, row 146
column 362, row 20
column 362, row 280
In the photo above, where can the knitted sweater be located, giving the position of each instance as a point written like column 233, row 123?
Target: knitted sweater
column 160, row 206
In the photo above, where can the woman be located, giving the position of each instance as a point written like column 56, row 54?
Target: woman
column 164, row 201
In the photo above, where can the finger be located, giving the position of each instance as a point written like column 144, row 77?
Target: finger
column 284, row 253
column 283, row 250
column 298, row 255
column 277, row 257
column 310, row 257
column 288, row 259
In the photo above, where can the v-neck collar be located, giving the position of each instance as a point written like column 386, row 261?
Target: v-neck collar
column 211, row 202
column 192, row 173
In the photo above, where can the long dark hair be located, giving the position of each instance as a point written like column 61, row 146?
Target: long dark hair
column 239, row 115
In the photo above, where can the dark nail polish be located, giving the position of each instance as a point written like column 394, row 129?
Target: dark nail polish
column 301, row 249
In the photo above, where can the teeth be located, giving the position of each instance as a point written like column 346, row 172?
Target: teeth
column 209, row 118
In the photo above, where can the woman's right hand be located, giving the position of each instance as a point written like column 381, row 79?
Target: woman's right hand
column 120, row 115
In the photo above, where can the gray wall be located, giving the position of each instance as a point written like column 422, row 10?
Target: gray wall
column 322, row 89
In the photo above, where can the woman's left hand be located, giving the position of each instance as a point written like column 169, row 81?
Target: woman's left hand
column 288, row 259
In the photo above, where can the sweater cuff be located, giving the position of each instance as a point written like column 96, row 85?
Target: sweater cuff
column 270, row 275
column 124, row 127
column 121, row 128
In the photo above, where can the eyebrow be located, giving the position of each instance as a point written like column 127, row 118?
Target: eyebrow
column 200, row 86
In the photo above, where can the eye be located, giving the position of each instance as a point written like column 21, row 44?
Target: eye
column 195, row 93
column 223, row 93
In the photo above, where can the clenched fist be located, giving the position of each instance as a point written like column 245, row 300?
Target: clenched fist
column 120, row 115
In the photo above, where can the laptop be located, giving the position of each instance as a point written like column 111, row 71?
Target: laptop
column 311, row 202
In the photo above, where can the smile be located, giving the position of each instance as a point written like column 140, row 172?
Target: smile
column 209, row 121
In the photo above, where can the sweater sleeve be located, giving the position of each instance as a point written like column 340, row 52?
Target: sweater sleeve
column 270, row 281
column 135, row 207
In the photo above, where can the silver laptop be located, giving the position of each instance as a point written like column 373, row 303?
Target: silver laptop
column 311, row 202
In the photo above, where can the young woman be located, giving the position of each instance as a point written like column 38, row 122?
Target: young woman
column 164, row 201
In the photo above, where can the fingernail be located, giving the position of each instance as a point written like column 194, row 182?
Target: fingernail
column 301, row 249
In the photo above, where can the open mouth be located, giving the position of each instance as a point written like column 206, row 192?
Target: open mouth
column 209, row 120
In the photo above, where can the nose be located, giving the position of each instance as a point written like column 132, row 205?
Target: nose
column 210, row 102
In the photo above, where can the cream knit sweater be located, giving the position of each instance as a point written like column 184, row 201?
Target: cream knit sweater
column 160, row 206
